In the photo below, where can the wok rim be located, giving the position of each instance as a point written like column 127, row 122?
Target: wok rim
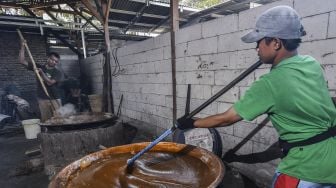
column 61, row 179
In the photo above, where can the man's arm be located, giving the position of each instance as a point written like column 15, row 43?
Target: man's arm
column 22, row 59
column 219, row 120
column 47, row 80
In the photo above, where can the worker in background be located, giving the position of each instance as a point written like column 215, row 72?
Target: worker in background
column 51, row 77
column 295, row 96
column 76, row 97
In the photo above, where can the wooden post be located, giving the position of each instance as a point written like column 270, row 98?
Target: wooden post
column 103, row 16
column 107, row 66
column 174, row 27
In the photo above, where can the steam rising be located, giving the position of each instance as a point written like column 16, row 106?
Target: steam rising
column 66, row 110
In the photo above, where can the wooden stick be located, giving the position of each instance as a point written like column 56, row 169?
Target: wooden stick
column 36, row 70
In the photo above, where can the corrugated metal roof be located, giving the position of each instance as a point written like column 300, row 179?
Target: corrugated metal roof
column 133, row 16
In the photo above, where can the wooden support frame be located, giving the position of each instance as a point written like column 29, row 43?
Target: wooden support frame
column 136, row 18
column 100, row 8
column 52, row 17
column 53, row 32
column 38, row 5
column 107, row 87
column 101, row 12
column 86, row 19
column 65, row 42
column 174, row 16
column 93, row 10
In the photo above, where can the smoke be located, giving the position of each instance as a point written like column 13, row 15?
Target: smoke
column 66, row 110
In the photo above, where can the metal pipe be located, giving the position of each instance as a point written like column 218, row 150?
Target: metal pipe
column 43, row 26
column 164, row 4
column 38, row 20
column 41, row 29
column 187, row 108
column 226, row 88
column 83, row 43
column 131, row 161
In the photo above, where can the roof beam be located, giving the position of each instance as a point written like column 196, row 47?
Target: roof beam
column 159, row 24
column 93, row 10
column 9, row 4
column 138, row 24
column 65, row 42
column 137, row 17
column 181, row 7
column 36, row 5
column 144, row 15
column 99, row 9
column 54, row 33
column 87, row 20
column 53, row 17
column 59, row 10
column 135, row 13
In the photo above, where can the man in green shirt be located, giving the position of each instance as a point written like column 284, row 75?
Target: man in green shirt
column 295, row 97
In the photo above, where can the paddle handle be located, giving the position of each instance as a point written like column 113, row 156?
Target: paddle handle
column 152, row 144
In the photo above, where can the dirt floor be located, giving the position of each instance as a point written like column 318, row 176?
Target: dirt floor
column 14, row 172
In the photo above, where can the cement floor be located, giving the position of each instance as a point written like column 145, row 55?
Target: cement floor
column 12, row 157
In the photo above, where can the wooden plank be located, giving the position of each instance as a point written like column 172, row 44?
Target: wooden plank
column 33, row 152
column 87, row 20
column 36, row 5
column 93, row 10
column 107, row 87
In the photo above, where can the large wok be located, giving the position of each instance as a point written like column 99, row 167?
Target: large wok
column 215, row 169
column 84, row 120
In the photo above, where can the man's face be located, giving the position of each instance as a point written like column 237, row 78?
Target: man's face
column 266, row 52
column 52, row 61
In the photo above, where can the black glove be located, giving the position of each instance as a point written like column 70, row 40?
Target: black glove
column 230, row 156
column 185, row 123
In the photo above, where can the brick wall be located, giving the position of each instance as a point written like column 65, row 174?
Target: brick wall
column 12, row 72
column 209, row 56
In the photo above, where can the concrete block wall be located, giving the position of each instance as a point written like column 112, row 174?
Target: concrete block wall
column 209, row 56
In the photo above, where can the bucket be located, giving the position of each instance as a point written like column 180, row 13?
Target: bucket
column 208, row 139
column 96, row 102
column 31, row 128
column 161, row 165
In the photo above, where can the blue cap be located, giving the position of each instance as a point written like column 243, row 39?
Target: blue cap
column 279, row 22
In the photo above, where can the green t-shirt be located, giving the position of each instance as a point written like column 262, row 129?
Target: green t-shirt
column 296, row 98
